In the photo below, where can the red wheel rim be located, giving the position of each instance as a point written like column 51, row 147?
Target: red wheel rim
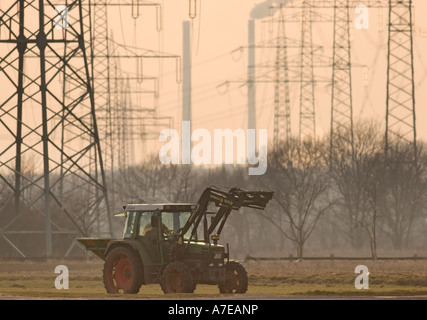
column 177, row 281
column 123, row 273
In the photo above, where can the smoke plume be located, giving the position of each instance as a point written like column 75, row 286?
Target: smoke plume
column 262, row 10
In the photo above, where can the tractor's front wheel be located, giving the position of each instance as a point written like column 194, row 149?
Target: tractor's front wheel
column 236, row 278
column 177, row 278
column 123, row 271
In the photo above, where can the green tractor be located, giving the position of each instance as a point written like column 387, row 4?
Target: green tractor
column 176, row 245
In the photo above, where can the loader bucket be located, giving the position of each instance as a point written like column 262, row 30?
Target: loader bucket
column 97, row 246
column 252, row 199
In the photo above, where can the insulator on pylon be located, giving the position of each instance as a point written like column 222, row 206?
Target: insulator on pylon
column 135, row 9
column 192, row 9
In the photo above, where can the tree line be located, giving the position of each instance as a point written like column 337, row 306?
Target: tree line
column 371, row 197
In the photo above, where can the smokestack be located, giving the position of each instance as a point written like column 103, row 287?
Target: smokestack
column 186, row 88
column 262, row 10
column 186, row 79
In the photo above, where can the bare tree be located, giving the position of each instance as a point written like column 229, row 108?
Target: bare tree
column 372, row 191
column 85, row 214
column 354, row 172
column 178, row 183
column 301, row 190
column 141, row 182
column 404, row 188
column 379, row 193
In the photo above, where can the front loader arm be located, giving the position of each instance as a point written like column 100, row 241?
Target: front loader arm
column 234, row 199
column 221, row 199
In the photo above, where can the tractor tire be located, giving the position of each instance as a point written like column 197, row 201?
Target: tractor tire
column 177, row 278
column 236, row 278
column 123, row 272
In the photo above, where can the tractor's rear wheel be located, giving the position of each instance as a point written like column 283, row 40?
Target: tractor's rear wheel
column 122, row 271
column 177, row 278
column 236, row 278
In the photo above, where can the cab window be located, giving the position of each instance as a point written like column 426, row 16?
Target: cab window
column 145, row 223
column 174, row 221
column 130, row 225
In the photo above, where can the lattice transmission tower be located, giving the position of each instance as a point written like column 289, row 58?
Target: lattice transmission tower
column 51, row 164
column 294, row 62
column 307, row 127
column 282, row 104
column 102, row 83
column 109, row 86
column 400, row 113
column 342, row 98
column 125, row 100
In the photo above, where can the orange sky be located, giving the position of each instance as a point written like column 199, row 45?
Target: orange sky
column 221, row 27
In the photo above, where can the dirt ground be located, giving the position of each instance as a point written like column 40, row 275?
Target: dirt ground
column 267, row 281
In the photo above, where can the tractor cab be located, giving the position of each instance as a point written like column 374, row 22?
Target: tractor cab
column 157, row 228
column 142, row 219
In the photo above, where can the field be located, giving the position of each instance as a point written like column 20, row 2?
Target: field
column 267, row 280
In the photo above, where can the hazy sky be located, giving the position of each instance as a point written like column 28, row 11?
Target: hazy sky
column 220, row 27
column 223, row 28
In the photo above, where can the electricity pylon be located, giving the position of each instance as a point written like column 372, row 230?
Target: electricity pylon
column 282, row 107
column 342, row 98
column 400, row 114
column 307, row 127
column 48, row 126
